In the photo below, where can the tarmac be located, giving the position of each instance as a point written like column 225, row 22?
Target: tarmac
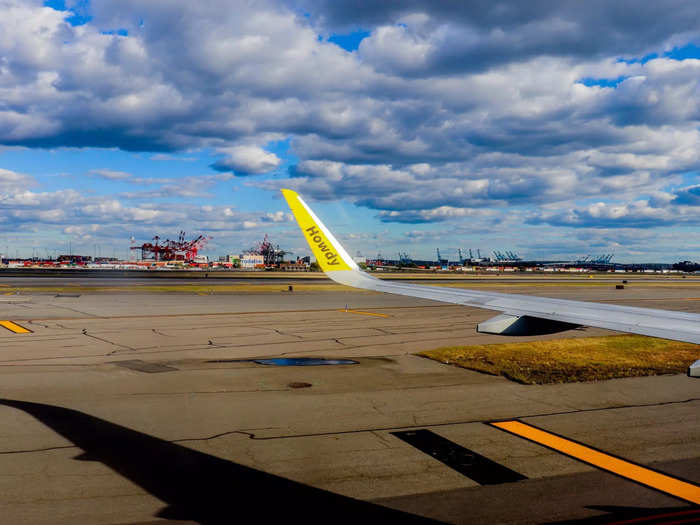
column 130, row 407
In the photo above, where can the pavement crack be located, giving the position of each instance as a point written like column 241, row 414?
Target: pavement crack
column 242, row 391
column 85, row 333
column 33, row 450
column 280, row 332
column 216, row 436
column 181, row 440
column 76, row 311
column 471, row 421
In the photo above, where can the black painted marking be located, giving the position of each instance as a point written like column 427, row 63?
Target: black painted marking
column 475, row 466
column 143, row 366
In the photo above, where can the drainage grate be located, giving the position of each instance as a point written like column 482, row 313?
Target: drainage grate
column 290, row 361
column 303, row 361
column 143, row 366
column 475, row 466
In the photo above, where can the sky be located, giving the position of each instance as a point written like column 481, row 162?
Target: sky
column 550, row 129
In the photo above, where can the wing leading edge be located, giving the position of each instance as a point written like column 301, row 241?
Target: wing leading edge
column 339, row 266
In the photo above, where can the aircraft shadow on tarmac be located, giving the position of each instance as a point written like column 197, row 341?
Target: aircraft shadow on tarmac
column 201, row 487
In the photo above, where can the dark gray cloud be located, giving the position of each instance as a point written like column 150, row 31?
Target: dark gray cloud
column 444, row 37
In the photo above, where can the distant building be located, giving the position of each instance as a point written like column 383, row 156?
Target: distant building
column 252, row 260
column 74, row 259
column 294, row 266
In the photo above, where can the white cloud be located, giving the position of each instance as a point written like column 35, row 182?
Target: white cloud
column 11, row 182
column 642, row 213
column 111, row 174
column 247, row 160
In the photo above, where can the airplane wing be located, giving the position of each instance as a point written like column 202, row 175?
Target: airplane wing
column 521, row 314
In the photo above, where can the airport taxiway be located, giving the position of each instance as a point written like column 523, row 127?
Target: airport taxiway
column 129, row 403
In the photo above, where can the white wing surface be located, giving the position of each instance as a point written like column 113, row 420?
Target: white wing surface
column 339, row 266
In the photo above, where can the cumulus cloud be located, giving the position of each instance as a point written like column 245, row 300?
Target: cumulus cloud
column 11, row 182
column 643, row 213
column 247, row 160
column 198, row 75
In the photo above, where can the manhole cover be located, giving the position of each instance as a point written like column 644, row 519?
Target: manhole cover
column 303, row 361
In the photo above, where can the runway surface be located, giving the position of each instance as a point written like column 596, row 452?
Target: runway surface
column 140, row 407
column 162, row 278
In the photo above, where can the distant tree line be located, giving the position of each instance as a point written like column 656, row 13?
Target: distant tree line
column 687, row 266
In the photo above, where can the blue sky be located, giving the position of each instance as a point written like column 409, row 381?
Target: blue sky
column 408, row 126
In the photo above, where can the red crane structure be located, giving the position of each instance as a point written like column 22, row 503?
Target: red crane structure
column 179, row 250
column 272, row 255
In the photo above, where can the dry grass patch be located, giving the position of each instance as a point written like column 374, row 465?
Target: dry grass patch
column 571, row 360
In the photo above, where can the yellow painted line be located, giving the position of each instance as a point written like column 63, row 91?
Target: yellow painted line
column 684, row 490
column 14, row 327
column 359, row 312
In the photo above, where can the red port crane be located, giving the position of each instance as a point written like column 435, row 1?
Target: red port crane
column 179, row 250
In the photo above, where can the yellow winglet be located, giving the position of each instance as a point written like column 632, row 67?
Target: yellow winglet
column 331, row 256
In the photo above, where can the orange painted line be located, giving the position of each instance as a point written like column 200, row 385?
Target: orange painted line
column 359, row 312
column 14, row 327
column 684, row 490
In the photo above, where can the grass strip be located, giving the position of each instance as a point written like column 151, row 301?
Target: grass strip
column 573, row 360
